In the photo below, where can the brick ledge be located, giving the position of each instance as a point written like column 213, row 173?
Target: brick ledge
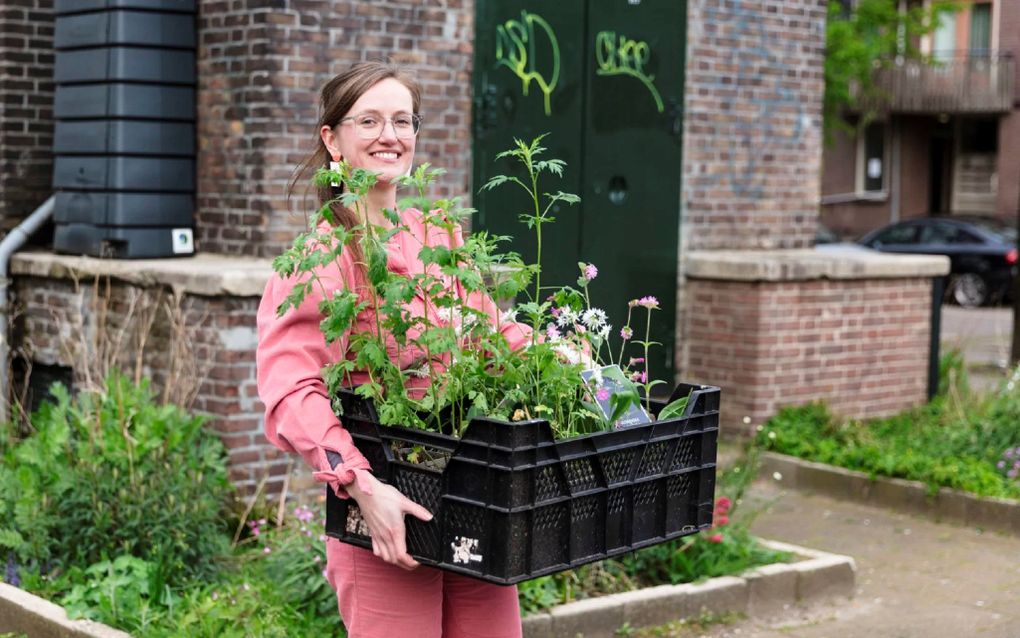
column 909, row 497
column 204, row 274
column 807, row 264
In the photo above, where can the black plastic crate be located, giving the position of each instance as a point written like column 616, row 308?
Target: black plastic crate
column 510, row 503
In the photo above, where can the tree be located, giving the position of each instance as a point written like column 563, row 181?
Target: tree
column 864, row 37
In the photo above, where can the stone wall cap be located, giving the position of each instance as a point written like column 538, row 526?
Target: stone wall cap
column 807, row 263
column 202, row 274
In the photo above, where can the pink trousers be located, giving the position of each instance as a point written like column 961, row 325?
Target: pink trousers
column 379, row 600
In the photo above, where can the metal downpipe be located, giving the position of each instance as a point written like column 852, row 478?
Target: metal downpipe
column 11, row 243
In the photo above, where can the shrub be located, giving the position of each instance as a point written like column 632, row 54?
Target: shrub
column 109, row 474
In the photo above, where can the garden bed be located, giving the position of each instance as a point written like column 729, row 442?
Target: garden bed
column 762, row 591
column 759, row 592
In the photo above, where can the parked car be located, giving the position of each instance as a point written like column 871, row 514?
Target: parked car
column 982, row 251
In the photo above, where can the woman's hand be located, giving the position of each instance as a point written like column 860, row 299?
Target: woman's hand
column 383, row 511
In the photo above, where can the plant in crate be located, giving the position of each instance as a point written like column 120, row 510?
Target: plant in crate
column 486, row 432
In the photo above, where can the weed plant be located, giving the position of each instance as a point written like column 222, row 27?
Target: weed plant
column 960, row 439
column 109, row 474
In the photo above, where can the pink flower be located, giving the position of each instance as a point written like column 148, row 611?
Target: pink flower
column 626, row 333
column 723, row 505
column 590, row 272
column 640, row 377
column 633, row 303
column 649, row 302
column 714, row 538
column 602, row 394
column 266, row 550
column 635, row 361
column 555, row 311
column 552, row 333
column 721, row 520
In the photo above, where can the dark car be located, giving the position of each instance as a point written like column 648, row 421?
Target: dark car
column 983, row 252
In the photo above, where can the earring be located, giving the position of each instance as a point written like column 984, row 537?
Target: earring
column 334, row 165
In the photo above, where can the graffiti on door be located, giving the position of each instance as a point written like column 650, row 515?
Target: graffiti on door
column 516, row 49
column 619, row 55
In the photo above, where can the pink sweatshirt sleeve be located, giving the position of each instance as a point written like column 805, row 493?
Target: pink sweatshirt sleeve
column 290, row 356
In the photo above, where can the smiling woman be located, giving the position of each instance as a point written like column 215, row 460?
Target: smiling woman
column 369, row 119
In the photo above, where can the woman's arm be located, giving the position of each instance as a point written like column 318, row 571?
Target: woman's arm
column 299, row 416
column 290, row 356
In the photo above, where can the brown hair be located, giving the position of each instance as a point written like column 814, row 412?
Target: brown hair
column 335, row 101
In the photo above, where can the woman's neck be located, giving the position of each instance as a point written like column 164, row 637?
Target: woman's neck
column 379, row 198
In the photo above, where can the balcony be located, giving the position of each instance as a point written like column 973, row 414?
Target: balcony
column 964, row 82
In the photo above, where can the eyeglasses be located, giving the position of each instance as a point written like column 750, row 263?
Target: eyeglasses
column 369, row 126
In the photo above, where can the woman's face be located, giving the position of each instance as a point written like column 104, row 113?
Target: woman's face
column 386, row 154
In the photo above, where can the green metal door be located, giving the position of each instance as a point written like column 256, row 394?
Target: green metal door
column 614, row 111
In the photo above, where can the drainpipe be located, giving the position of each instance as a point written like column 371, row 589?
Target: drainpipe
column 11, row 243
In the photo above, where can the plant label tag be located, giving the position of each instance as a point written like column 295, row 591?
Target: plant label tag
column 606, row 382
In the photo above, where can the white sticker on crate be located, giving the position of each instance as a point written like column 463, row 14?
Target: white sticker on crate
column 355, row 523
column 463, row 550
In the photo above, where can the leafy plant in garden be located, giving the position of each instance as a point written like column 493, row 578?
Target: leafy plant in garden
column 467, row 362
column 957, row 440
column 110, row 474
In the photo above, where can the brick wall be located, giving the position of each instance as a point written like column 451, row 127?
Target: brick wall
column 1008, row 204
column 60, row 323
column 859, row 345
column 260, row 68
column 752, row 136
column 26, row 107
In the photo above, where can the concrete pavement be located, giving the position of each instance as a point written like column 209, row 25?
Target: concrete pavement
column 916, row 579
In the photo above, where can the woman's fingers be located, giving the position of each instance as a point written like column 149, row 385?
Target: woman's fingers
column 417, row 511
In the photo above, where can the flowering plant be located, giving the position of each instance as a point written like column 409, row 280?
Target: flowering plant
column 469, row 365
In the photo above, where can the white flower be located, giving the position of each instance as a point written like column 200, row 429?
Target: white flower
column 747, row 420
column 508, row 317
column 604, row 332
column 569, row 353
column 594, row 318
column 777, row 476
column 759, row 428
column 566, row 318
column 772, row 436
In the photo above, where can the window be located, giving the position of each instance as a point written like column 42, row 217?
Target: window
column 871, row 162
column 906, row 234
column 945, row 37
column 980, row 30
column 942, row 233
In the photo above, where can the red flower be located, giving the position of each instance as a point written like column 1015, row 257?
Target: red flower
column 723, row 505
column 714, row 538
column 721, row 520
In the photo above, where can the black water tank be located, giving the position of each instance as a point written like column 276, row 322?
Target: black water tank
column 124, row 141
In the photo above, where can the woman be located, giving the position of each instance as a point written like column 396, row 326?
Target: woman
column 370, row 119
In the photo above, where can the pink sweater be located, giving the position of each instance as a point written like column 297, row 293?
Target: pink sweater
column 292, row 352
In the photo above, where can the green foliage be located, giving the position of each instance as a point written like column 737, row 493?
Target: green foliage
column 113, row 474
column 125, row 592
column 957, row 440
column 870, row 37
column 462, row 365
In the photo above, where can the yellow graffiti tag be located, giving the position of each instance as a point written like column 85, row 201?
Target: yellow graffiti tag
column 515, row 49
column 623, row 56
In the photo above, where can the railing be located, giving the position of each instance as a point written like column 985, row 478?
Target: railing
column 964, row 82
